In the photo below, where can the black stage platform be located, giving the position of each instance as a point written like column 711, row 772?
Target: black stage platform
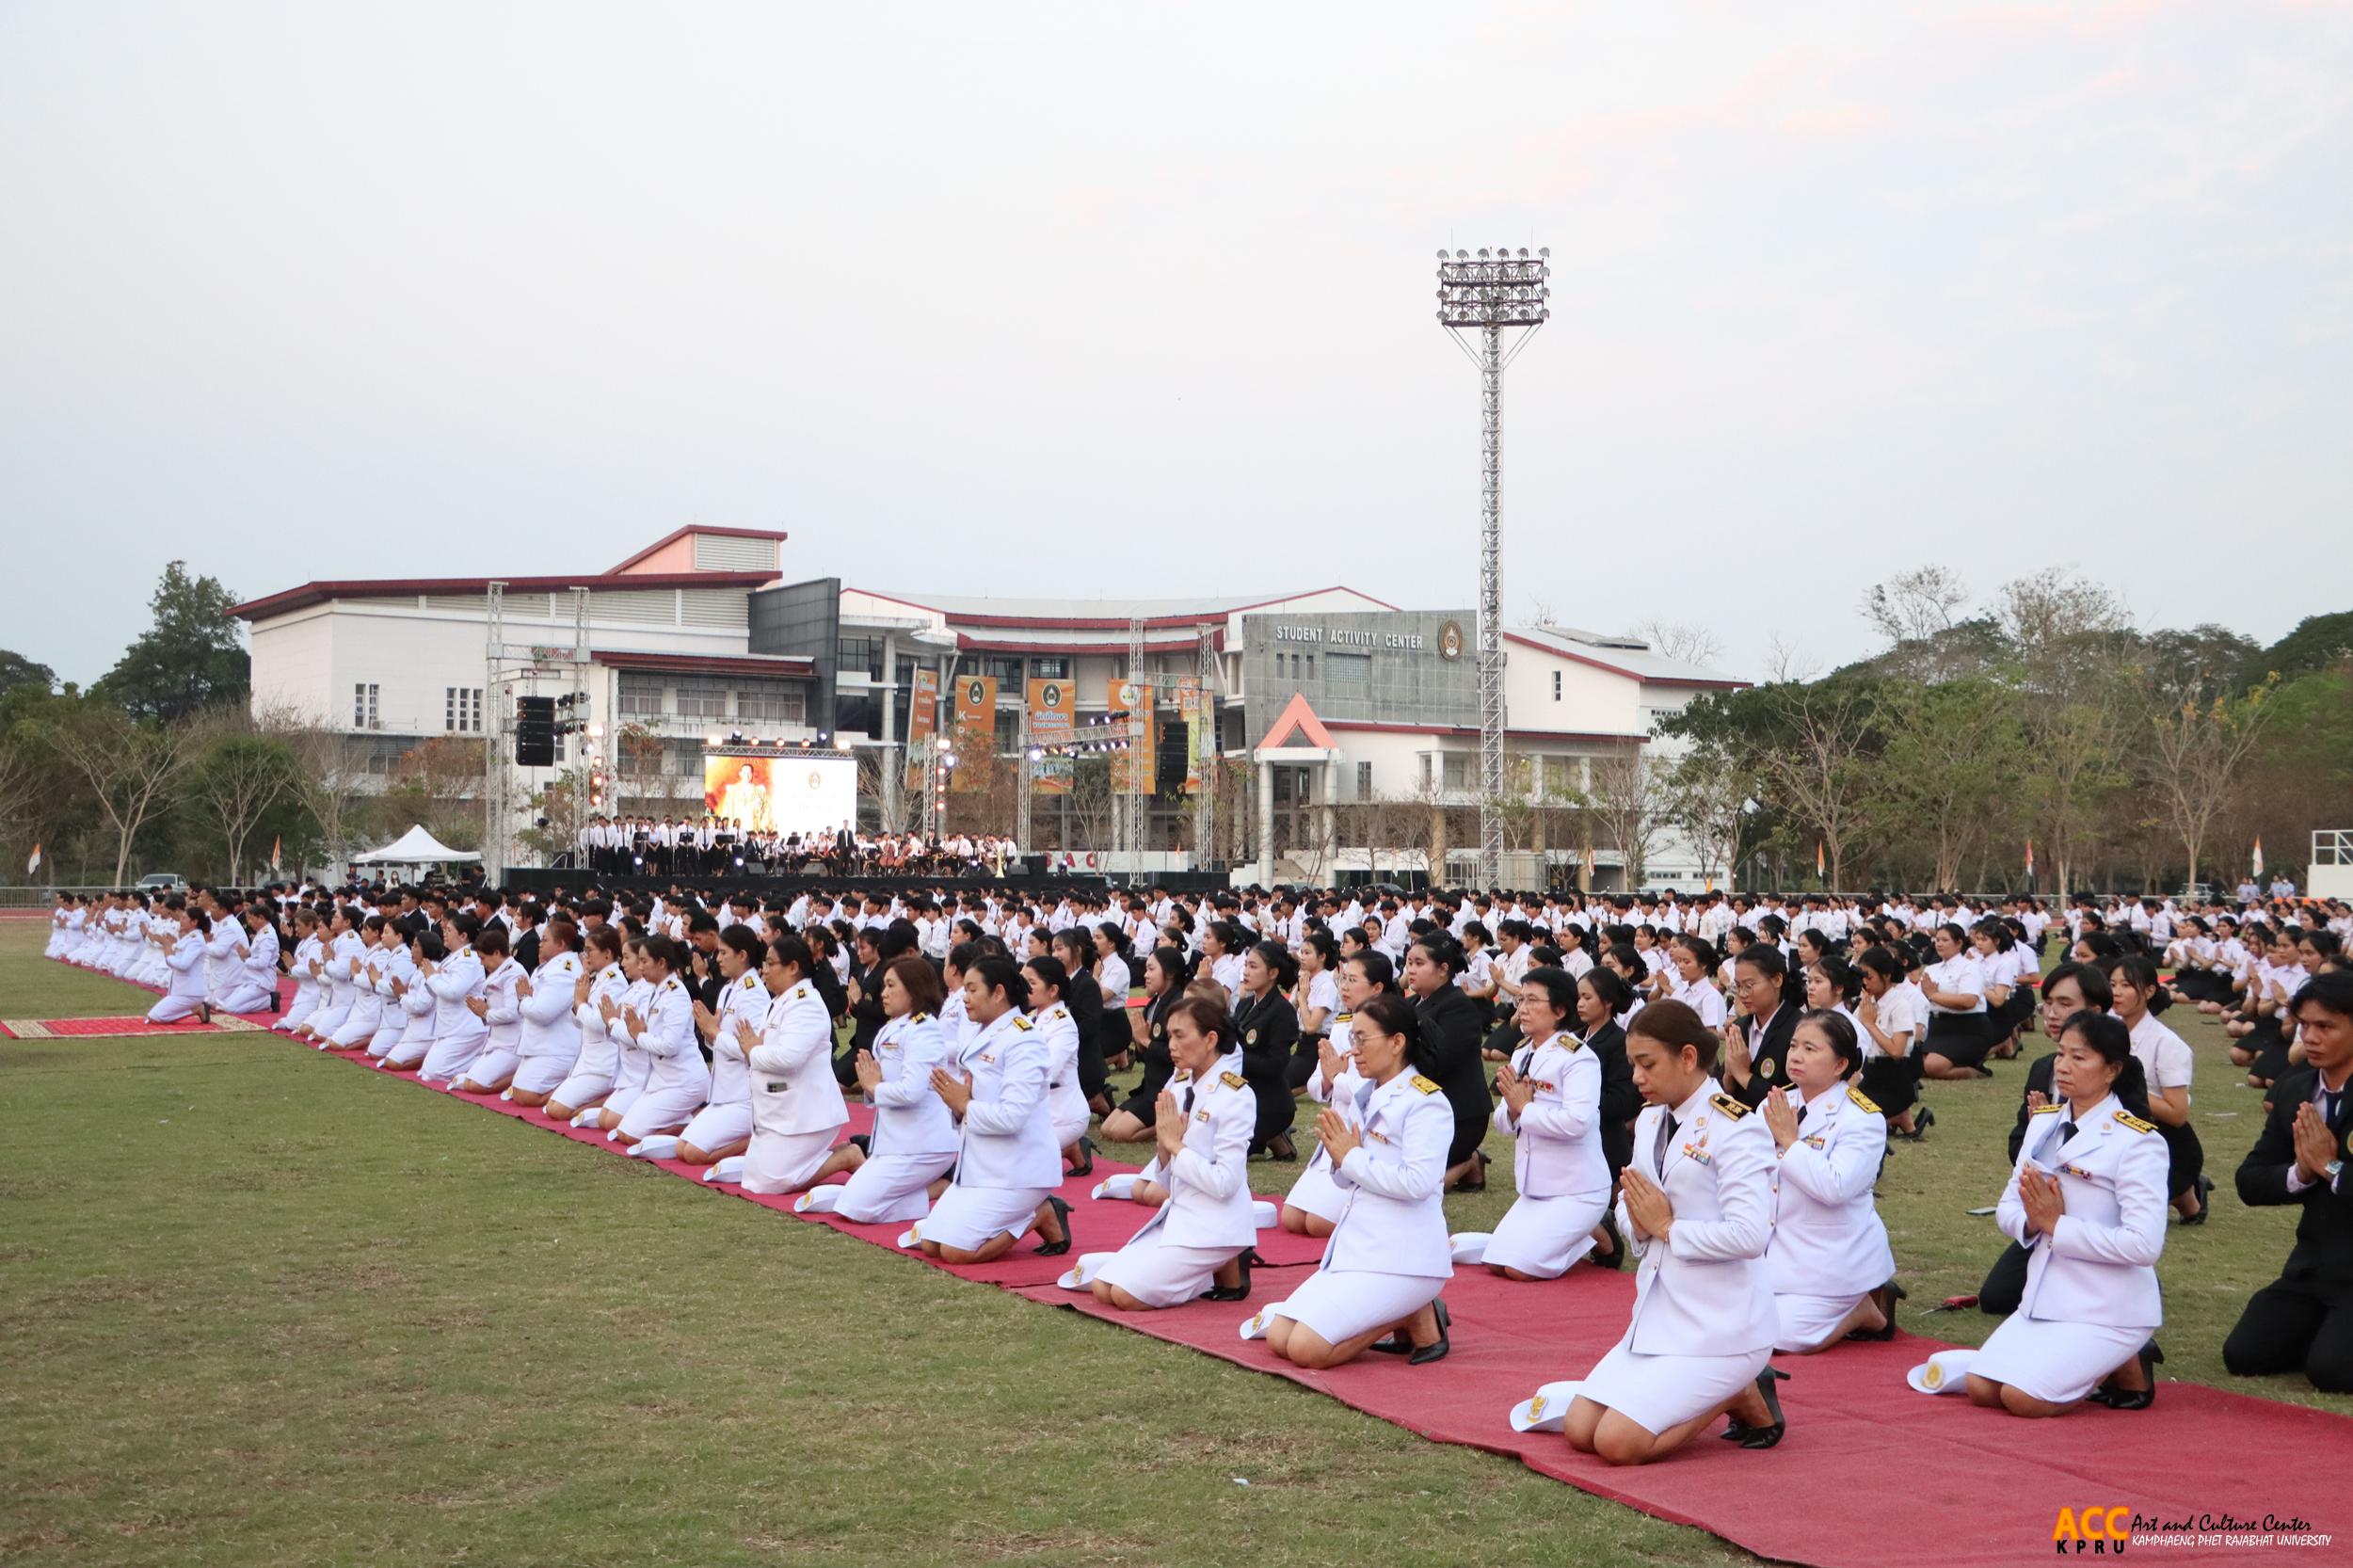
column 541, row 879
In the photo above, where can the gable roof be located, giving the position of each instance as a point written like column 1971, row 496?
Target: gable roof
column 1297, row 724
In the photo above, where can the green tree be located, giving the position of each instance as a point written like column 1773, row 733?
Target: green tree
column 16, row 670
column 2317, row 642
column 192, row 657
column 1949, row 766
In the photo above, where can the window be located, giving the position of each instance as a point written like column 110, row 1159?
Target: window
column 1556, row 685
column 461, row 709
column 1007, row 671
column 365, row 712
column 702, row 699
column 1055, row 669
column 1457, row 774
column 768, row 703
column 1364, row 781
column 641, row 697
column 1350, row 671
column 860, row 653
column 1309, row 660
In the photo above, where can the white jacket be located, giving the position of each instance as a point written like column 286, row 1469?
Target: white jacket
column 2099, row 1264
column 1557, row 1153
column 1208, row 1185
column 1705, row 1290
column 549, row 1028
column 1828, row 1238
column 1008, row 1128
column 792, row 1082
column 910, row 1118
column 1395, row 1222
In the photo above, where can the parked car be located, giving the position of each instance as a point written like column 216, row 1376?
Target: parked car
column 163, row 882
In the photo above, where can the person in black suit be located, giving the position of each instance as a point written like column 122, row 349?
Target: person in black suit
column 1452, row 1029
column 1164, row 987
column 1756, row 1046
column 1601, row 996
column 2303, row 1321
column 1267, row 1024
column 1075, row 947
column 527, row 945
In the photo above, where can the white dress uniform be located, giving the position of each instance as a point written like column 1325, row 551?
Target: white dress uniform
column 1705, row 1285
column 186, row 963
column 550, row 1041
column 1387, row 1257
column 728, row 1116
column 593, row 1069
column 1008, row 1161
column 1206, row 1222
column 222, row 968
column 1828, row 1248
column 255, row 979
column 457, row 1034
column 1557, row 1161
column 366, row 1011
column 1065, row 1101
column 417, row 1038
column 1315, row 1192
column 633, row 1065
column 795, row 1102
column 678, row 1080
column 914, row 1142
column 393, row 964
column 336, row 984
column 305, row 1000
column 502, row 1051
column 2091, row 1298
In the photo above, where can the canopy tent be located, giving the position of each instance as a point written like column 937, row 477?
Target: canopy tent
column 415, row 847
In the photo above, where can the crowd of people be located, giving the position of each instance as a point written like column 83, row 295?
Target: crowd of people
column 717, row 846
column 1704, row 1087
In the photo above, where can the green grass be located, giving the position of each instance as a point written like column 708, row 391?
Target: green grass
column 263, row 1309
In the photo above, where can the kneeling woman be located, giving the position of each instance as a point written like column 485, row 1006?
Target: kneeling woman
column 914, row 1142
column 1831, row 1268
column 591, row 1078
column 1315, row 1202
column 1009, row 1163
column 1551, row 1109
column 1197, row 1238
column 2087, row 1199
column 1697, row 1207
column 1388, row 1258
column 678, row 1080
column 183, row 954
column 797, row 1106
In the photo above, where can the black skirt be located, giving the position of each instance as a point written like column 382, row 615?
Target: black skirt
column 1958, row 1037
column 1891, row 1083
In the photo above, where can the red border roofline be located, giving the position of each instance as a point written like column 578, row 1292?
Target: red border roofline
column 409, row 587
column 676, row 534
column 1109, row 623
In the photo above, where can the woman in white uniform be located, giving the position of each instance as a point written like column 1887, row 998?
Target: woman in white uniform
column 1551, row 1109
column 308, row 951
column 1008, row 1164
column 1697, row 1207
column 2088, row 1200
column 913, row 1145
column 1378, row 1285
column 633, row 1067
column 456, row 983
column 392, row 971
column 1955, row 987
column 1691, row 959
column 550, row 1045
column 254, row 986
column 334, row 970
column 1832, row 1274
column 1315, row 1202
column 723, row 1128
column 590, row 1080
column 493, row 1068
column 222, row 970
column 183, row 954
column 796, row 1100
column 678, row 1080
column 1194, row 1242
column 1048, row 983
column 365, row 1011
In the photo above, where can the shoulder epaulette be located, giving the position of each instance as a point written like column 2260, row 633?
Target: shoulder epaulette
column 1233, row 1080
column 1428, row 1086
column 1023, row 1023
column 2045, row 1110
column 2135, row 1121
column 1862, row 1101
column 920, row 1017
column 1574, row 1044
column 800, row 993
column 1729, row 1106
column 1342, row 1017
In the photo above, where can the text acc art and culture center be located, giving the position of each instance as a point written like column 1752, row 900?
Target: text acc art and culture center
column 1335, row 733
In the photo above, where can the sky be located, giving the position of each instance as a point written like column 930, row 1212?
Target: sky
column 1140, row 300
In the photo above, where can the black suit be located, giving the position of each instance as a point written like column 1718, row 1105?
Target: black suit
column 1266, row 1028
column 2005, row 1284
column 2303, row 1321
column 1621, row 1102
column 1086, row 997
column 1769, row 1055
column 1453, row 1027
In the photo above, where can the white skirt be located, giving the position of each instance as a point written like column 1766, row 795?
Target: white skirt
column 892, row 1188
column 1315, row 1192
column 1545, row 1236
column 246, row 997
column 2053, row 1361
column 410, row 1049
column 581, row 1090
column 170, row 1010
column 966, row 1218
column 658, row 1110
column 783, row 1162
column 1339, row 1305
column 538, row 1075
column 1161, row 1273
column 1808, row 1322
column 717, row 1125
column 387, row 1038
column 452, row 1055
column 495, row 1062
column 1657, row 1392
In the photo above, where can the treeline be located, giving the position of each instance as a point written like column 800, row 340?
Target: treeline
column 2126, row 758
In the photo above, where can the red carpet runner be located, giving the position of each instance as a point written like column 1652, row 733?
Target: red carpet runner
column 1870, row 1473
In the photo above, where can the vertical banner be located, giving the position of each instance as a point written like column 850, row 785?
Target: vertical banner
column 975, row 731
column 1131, row 700
column 1193, row 709
column 1049, row 730
column 922, row 720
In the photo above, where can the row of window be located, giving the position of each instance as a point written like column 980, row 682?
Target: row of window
column 1010, row 671
column 461, row 708
column 708, row 700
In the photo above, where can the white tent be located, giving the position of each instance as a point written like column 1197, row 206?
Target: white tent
column 415, row 847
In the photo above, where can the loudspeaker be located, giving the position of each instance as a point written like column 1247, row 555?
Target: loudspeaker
column 535, row 732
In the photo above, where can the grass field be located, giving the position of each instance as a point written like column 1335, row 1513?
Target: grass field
column 262, row 1309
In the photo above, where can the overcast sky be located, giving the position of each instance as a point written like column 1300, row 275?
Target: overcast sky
column 1115, row 301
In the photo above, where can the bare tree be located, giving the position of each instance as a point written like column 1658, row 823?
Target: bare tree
column 1914, row 606
column 238, row 778
column 129, row 768
column 1630, row 801
column 330, row 774
column 1817, row 773
column 2196, row 752
column 1708, row 796
column 1090, row 804
column 1786, row 661
column 1682, row 641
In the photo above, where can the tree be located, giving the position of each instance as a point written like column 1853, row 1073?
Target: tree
column 1914, row 606
column 2196, row 752
column 236, row 780
column 559, row 811
column 192, row 657
column 1708, row 797
column 1949, row 760
column 1630, row 800
column 1819, row 774
column 2317, row 643
column 329, row 770
column 1681, row 641
column 129, row 767
column 438, row 783
column 16, row 670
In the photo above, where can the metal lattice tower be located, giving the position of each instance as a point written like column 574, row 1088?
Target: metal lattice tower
column 1488, row 293
column 1205, row 803
column 495, row 813
column 1140, row 767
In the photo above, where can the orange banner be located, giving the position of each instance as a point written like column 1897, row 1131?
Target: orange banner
column 1132, row 701
column 976, row 732
column 1050, row 702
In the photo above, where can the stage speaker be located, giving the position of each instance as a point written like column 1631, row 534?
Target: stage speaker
column 535, row 732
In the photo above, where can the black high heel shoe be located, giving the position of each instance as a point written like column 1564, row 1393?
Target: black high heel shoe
column 2133, row 1399
column 1616, row 1258
column 1061, row 1217
column 1886, row 1296
column 1399, row 1343
column 2205, row 1202
column 1217, row 1292
column 1922, row 1120
column 1085, row 1165
column 1436, row 1349
column 1478, row 1184
column 1737, row 1430
column 1280, row 1147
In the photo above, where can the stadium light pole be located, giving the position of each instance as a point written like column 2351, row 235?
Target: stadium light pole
column 1488, row 293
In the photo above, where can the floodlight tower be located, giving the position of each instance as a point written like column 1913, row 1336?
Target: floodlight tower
column 1489, row 292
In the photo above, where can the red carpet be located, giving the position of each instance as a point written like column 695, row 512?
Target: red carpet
column 53, row 1029
column 1870, row 1473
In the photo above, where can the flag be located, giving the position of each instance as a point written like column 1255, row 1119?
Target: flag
column 1820, row 870
column 2259, row 854
column 1589, row 865
column 2030, row 858
column 276, row 845
column 34, row 864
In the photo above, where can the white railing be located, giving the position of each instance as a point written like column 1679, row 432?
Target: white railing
column 2333, row 846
